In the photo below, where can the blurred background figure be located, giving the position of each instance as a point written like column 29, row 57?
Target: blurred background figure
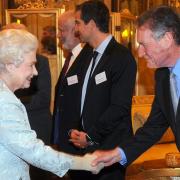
column 64, row 93
column 48, row 40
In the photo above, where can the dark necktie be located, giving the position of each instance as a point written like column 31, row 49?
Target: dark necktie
column 94, row 56
column 66, row 64
column 95, row 53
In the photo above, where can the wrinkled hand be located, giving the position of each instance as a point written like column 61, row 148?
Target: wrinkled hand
column 78, row 138
column 108, row 157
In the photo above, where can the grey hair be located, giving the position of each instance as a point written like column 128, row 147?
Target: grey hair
column 68, row 17
column 160, row 20
column 14, row 43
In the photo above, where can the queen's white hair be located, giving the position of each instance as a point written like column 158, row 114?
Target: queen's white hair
column 14, row 44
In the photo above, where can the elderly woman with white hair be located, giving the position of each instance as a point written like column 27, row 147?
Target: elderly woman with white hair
column 19, row 145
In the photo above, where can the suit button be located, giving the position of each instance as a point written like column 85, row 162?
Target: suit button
column 61, row 95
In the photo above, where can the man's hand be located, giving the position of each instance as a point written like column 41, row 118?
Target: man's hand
column 108, row 157
column 78, row 138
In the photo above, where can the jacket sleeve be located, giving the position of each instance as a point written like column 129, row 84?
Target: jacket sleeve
column 149, row 134
column 18, row 139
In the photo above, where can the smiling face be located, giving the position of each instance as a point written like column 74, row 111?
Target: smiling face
column 17, row 58
column 155, row 51
column 23, row 73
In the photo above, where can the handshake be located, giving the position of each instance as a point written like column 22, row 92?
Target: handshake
column 86, row 163
column 96, row 161
column 92, row 162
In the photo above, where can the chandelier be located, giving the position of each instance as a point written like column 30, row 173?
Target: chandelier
column 31, row 4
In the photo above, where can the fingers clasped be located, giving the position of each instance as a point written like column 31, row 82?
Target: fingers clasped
column 89, row 158
column 78, row 138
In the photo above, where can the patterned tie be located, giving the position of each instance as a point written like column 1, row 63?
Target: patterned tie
column 66, row 64
column 173, row 89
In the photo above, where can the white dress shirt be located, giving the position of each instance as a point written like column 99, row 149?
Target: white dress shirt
column 75, row 52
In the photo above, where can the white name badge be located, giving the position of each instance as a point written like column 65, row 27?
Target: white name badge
column 72, row 80
column 101, row 77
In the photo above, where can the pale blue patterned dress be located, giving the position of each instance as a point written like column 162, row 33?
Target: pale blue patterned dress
column 19, row 146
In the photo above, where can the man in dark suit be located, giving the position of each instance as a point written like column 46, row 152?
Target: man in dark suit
column 67, row 101
column 159, row 43
column 106, row 91
column 66, row 114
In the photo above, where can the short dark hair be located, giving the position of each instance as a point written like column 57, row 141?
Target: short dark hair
column 160, row 20
column 97, row 11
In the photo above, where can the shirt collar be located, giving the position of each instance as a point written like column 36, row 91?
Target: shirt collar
column 176, row 68
column 101, row 48
column 76, row 50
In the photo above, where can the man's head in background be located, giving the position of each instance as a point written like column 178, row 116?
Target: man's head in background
column 48, row 39
column 68, row 38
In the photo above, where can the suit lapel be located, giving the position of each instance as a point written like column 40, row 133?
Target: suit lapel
column 74, row 66
column 167, row 96
column 105, row 57
column 177, row 125
column 168, row 105
column 87, row 58
column 80, row 64
column 103, row 60
column 78, row 67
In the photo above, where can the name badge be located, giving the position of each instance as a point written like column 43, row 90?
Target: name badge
column 72, row 80
column 101, row 77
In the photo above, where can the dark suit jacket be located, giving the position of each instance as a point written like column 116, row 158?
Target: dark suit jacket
column 107, row 107
column 161, row 117
column 37, row 100
column 67, row 101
